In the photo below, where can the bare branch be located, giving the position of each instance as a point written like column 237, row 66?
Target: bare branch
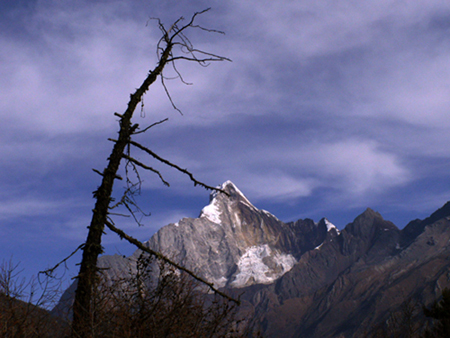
column 125, row 196
column 132, row 213
column 49, row 272
column 170, row 164
column 168, row 95
column 179, row 75
column 101, row 174
column 180, row 31
column 142, row 165
column 178, row 38
column 133, row 188
column 214, row 57
column 96, row 171
column 202, row 62
column 209, row 30
column 117, row 214
column 173, row 37
column 150, row 126
column 144, row 248
column 128, row 201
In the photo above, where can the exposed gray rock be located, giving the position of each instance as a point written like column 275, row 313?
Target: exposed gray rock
column 306, row 279
column 232, row 243
column 356, row 279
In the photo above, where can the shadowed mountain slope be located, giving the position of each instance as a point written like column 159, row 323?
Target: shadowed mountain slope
column 307, row 279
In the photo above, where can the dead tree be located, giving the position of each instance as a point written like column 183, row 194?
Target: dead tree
column 174, row 46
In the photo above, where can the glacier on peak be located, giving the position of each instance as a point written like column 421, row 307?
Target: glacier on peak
column 253, row 266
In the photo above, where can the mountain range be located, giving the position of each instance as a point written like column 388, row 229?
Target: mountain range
column 306, row 278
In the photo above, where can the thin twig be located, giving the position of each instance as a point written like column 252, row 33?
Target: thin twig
column 150, row 126
column 142, row 165
column 50, row 271
column 170, row 97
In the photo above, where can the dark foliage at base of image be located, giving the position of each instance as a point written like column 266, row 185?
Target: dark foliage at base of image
column 23, row 303
column 174, row 305
column 135, row 305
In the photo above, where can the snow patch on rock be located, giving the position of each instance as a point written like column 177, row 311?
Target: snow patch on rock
column 220, row 283
column 318, row 247
column 330, row 226
column 211, row 212
column 253, row 266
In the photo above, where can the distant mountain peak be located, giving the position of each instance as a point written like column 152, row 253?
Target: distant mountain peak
column 219, row 202
column 330, row 226
column 372, row 213
column 368, row 214
column 226, row 183
column 367, row 223
column 304, row 268
column 233, row 191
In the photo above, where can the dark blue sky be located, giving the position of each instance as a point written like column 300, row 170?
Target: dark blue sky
column 327, row 108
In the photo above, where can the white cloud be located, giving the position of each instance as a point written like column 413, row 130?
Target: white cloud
column 311, row 28
column 375, row 74
column 29, row 206
column 360, row 167
column 277, row 186
column 79, row 70
column 384, row 60
column 284, row 170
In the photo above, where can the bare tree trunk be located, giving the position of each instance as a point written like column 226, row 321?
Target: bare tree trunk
column 83, row 314
column 92, row 249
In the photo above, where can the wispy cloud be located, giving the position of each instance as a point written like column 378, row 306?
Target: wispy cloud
column 335, row 103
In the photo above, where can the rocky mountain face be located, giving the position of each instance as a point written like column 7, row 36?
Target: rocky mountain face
column 307, row 279
column 355, row 280
column 233, row 244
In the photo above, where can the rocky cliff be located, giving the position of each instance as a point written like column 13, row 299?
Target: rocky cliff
column 234, row 244
column 307, row 279
column 355, row 280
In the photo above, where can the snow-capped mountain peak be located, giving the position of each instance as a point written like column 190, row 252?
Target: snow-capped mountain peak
column 231, row 188
column 220, row 202
column 330, row 226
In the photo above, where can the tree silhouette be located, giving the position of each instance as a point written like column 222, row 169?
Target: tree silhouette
column 174, row 46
